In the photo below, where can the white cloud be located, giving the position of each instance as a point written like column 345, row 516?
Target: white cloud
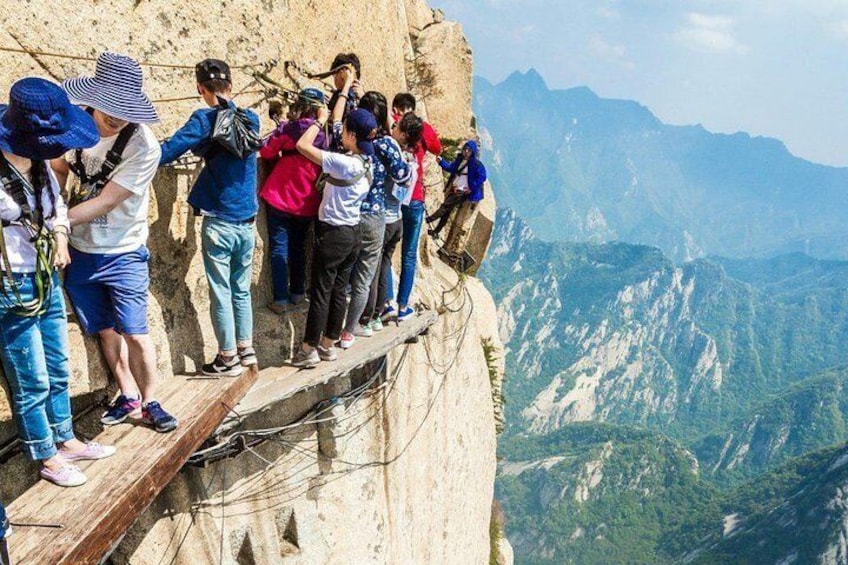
column 709, row 33
column 610, row 52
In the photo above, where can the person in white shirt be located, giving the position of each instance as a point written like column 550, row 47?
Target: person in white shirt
column 337, row 232
column 38, row 125
column 108, row 279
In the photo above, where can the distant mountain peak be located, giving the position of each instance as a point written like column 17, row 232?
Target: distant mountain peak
column 531, row 80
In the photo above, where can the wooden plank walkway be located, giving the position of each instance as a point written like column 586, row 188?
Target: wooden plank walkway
column 95, row 516
column 279, row 383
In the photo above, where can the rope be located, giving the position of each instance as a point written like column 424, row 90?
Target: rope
column 39, row 53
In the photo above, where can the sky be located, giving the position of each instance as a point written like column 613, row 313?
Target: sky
column 776, row 68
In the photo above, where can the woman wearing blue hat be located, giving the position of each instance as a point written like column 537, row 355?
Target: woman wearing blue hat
column 39, row 124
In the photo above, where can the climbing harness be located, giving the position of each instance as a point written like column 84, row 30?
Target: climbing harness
column 90, row 186
column 18, row 188
column 324, row 179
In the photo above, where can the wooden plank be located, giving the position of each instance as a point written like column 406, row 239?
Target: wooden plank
column 96, row 515
column 278, row 383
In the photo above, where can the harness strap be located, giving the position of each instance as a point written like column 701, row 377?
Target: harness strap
column 93, row 184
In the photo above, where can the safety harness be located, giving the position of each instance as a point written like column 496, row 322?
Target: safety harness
column 16, row 186
column 91, row 185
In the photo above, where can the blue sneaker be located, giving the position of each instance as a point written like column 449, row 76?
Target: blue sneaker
column 388, row 313
column 122, row 408
column 405, row 314
column 155, row 415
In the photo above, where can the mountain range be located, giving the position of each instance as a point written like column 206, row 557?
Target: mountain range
column 578, row 167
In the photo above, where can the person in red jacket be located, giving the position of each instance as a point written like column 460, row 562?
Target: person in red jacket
column 413, row 214
column 292, row 200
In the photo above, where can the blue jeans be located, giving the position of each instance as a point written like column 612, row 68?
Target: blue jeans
column 287, row 240
column 413, row 217
column 35, row 360
column 228, row 260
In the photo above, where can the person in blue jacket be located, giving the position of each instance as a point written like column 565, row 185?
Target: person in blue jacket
column 4, row 529
column 465, row 183
column 225, row 195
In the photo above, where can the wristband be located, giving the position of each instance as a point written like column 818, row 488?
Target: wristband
column 319, row 124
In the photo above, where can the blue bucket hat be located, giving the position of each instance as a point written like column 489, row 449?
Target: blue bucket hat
column 41, row 123
column 115, row 89
column 312, row 95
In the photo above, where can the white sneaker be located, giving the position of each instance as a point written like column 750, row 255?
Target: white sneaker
column 346, row 340
column 363, row 331
column 327, row 354
column 305, row 360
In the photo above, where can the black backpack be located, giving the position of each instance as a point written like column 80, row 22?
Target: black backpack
column 233, row 130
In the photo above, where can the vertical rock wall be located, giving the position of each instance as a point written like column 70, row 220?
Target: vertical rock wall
column 413, row 479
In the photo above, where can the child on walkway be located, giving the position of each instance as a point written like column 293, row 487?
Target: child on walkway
column 389, row 167
column 337, row 231
column 225, row 195
column 467, row 175
column 405, row 136
column 413, row 213
column 39, row 124
column 108, row 278
column 291, row 199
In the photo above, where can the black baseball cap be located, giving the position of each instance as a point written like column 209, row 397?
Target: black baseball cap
column 211, row 69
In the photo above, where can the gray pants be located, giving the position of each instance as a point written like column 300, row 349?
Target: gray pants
column 372, row 227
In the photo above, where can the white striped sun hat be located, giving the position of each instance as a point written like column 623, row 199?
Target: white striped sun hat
column 115, row 89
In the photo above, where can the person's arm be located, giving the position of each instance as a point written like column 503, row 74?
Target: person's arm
column 306, row 143
column 447, row 165
column 276, row 143
column 187, row 138
column 432, row 141
column 341, row 99
column 61, row 169
column 59, row 227
column 108, row 199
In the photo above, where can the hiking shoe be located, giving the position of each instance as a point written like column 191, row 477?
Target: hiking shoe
column 221, row 368
column 305, row 360
column 327, row 353
column 376, row 325
column 155, row 415
column 363, row 331
column 388, row 313
column 122, row 408
column 279, row 308
column 297, row 299
column 247, row 356
column 92, row 452
column 405, row 314
column 66, row 476
column 346, row 340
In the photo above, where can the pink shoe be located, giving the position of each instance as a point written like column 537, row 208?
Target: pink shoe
column 66, row 476
column 92, row 452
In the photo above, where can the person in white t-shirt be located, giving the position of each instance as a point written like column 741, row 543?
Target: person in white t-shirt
column 337, row 231
column 108, row 278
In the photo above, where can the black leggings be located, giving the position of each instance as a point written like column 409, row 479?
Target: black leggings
column 336, row 249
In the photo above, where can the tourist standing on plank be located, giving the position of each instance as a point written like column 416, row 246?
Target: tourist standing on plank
column 225, row 195
column 39, row 124
column 413, row 214
column 389, row 168
column 291, row 200
column 467, row 175
column 405, row 136
column 337, row 231
column 109, row 276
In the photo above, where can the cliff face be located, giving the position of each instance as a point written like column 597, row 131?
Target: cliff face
column 413, row 478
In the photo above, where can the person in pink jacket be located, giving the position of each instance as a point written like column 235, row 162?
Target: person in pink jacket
column 292, row 200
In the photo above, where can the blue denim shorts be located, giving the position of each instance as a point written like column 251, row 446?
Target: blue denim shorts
column 109, row 290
